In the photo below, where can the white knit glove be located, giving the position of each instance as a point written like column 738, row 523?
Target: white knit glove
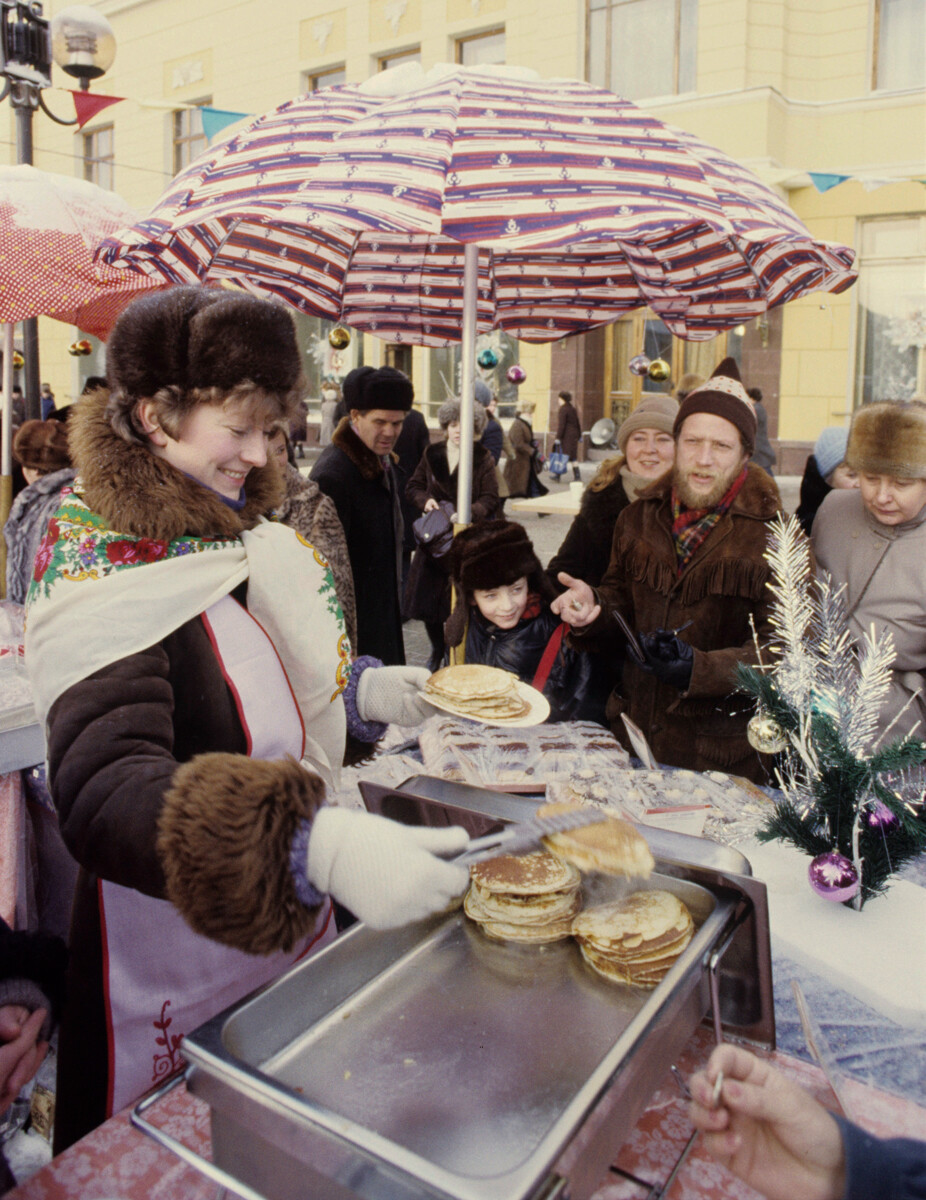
column 390, row 695
column 384, row 872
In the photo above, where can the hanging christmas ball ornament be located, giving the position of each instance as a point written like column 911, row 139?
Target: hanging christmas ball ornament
column 18, row 361
column 81, row 348
column 766, row 735
column 659, row 370
column 487, row 359
column 833, row 877
column 516, row 374
column 878, row 816
column 639, row 364
column 339, row 338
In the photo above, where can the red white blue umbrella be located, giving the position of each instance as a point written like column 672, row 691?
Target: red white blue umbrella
column 424, row 209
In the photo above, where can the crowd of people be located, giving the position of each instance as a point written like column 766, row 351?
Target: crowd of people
column 242, row 640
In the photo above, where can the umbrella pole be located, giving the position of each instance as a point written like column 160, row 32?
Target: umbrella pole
column 6, row 446
column 468, row 382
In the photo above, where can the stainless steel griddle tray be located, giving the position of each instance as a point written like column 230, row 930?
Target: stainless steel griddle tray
column 431, row 1062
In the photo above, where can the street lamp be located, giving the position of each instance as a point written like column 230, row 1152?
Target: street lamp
column 81, row 42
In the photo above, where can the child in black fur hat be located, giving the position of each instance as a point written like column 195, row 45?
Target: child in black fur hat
column 503, row 618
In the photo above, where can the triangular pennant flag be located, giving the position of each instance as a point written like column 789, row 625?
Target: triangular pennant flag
column 215, row 120
column 88, row 104
column 823, row 183
column 872, row 182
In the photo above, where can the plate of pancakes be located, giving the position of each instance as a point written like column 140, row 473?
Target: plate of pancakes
column 486, row 694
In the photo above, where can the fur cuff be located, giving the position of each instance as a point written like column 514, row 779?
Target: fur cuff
column 224, row 841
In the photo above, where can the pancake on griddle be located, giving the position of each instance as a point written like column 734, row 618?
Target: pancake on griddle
column 478, row 691
column 526, row 898
column 635, row 940
column 611, row 845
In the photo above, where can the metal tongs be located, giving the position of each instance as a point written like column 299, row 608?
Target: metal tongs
column 525, row 835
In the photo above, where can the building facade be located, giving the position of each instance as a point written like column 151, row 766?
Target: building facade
column 804, row 92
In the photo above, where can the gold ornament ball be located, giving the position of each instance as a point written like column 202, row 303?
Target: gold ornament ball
column 766, row 735
column 339, row 338
column 659, row 370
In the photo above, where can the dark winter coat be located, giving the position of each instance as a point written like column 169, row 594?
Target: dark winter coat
column 764, row 455
column 519, row 469
column 578, row 684
column 408, row 449
column 25, row 528
column 721, row 589
column 119, row 745
column 427, row 594
column 367, row 500
column 568, row 430
column 312, row 514
column 586, row 549
column 814, row 490
column 493, row 437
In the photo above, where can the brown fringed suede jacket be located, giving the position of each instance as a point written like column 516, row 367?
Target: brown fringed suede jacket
column 723, row 587
column 120, row 745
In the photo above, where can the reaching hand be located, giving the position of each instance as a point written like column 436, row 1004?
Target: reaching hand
column 768, row 1130
column 577, row 606
column 667, row 657
column 387, row 874
column 21, row 1058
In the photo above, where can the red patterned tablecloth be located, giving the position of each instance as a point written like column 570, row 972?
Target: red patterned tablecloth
column 116, row 1162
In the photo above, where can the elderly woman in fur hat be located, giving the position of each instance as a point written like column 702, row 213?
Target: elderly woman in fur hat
column 435, row 479
column 190, row 665
column 41, row 448
column 873, row 540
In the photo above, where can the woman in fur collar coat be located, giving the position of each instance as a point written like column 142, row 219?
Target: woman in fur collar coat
column 873, row 540
column 189, row 662
column 427, row 593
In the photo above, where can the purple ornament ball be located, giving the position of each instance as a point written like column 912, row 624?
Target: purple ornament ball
column 879, row 816
column 487, row 359
column 516, row 374
column 833, row 876
column 639, row 365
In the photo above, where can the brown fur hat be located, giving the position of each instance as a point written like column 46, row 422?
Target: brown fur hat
column 197, row 337
column 889, row 438
column 42, row 445
column 723, row 395
column 487, row 555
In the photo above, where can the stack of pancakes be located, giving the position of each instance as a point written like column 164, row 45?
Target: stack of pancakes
column 474, row 690
column 526, row 898
column 635, row 940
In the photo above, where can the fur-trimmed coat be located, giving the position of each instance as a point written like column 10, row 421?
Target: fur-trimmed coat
column 122, row 747
column 427, row 593
column 367, row 500
column 721, row 589
column 313, row 515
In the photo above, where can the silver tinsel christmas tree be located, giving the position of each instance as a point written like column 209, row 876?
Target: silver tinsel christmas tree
column 853, row 803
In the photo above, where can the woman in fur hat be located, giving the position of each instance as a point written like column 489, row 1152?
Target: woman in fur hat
column 647, row 452
column 436, row 478
column 503, row 619
column 41, row 448
column 190, row 665
column 873, row 540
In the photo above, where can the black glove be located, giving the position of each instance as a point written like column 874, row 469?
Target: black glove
column 667, row 657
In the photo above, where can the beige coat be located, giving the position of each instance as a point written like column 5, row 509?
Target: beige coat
column 884, row 568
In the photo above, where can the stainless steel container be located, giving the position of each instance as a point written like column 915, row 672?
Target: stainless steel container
column 433, row 1062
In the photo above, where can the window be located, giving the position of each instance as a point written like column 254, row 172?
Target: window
column 188, row 137
column 482, row 48
column 900, row 44
column 330, row 77
column 891, row 294
column 99, row 161
column 400, row 56
column 642, row 47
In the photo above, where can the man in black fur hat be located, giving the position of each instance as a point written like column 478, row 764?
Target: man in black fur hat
column 688, row 574
column 358, row 472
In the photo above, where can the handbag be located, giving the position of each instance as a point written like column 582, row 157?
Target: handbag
column 434, row 530
column 559, row 462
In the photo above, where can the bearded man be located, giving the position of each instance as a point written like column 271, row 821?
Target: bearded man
column 688, row 574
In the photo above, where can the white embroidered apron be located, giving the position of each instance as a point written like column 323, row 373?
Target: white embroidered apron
column 161, row 979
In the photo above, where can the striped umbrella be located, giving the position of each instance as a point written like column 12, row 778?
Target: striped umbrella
column 424, row 209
